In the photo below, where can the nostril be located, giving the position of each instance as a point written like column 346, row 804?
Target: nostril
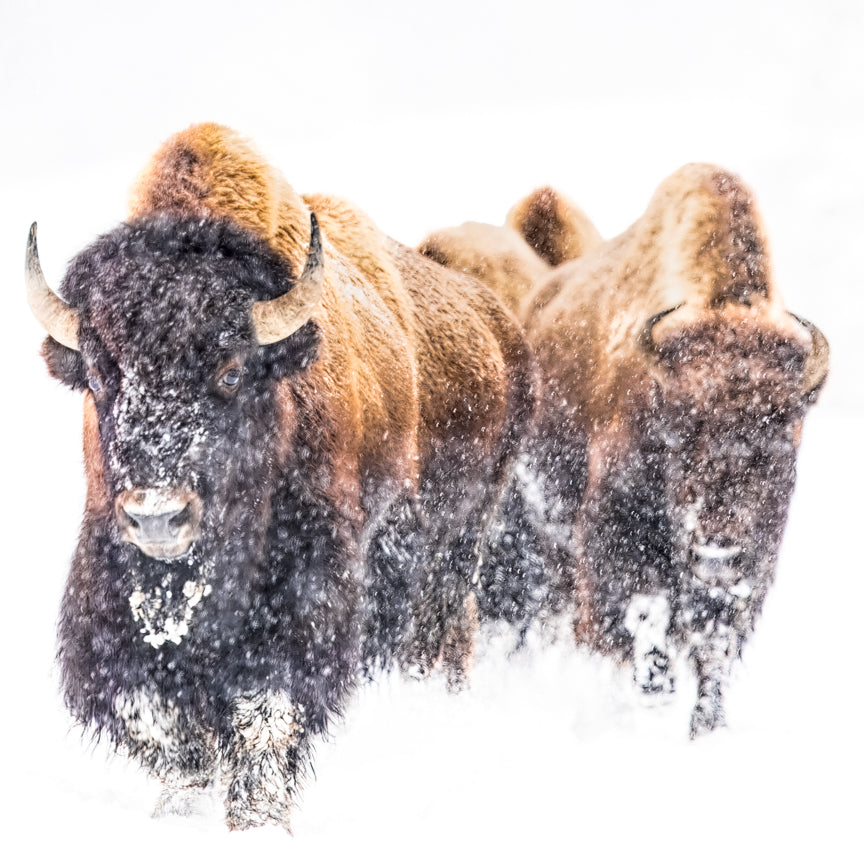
column 124, row 518
column 181, row 518
column 158, row 527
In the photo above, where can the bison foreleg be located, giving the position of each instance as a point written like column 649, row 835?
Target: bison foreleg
column 159, row 736
column 264, row 760
column 647, row 620
column 396, row 558
column 712, row 656
column 445, row 613
column 458, row 651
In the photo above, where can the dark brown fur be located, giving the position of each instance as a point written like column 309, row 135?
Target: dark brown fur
column 358, row 466
column 408, row 380
column 669, row 363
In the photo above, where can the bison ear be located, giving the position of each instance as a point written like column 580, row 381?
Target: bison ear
column 64, row 364
column 292, row 355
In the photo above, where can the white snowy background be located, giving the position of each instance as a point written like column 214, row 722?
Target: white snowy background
column 427, row 115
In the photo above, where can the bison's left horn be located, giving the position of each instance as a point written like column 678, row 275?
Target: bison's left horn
column 816, row 365
column 58, row 318
column 646, row 337
column 277, row 319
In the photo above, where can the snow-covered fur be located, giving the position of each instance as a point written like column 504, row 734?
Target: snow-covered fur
column 674, row 390
column 336, row 483
column 497, row 255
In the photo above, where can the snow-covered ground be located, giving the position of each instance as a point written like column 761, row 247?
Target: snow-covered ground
column 428, row 116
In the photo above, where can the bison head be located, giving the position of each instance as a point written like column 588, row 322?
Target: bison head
column 178, row 329
column 734, row 384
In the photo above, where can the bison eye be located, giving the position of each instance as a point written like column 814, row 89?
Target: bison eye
column 94, row 382
column 228, row 381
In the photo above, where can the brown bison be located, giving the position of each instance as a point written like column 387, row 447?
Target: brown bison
column 675, row 386
column 293, row 439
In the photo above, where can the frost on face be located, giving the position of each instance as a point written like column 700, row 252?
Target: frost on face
column 161, row 427
column 165, row 612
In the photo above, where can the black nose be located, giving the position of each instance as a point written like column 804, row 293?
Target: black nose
column 159, row 527
column 161, row 523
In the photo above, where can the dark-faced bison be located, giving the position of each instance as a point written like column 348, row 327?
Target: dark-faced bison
column 293, row 440
column 675, row 385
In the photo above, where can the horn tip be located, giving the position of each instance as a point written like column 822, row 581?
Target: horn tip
column 32, row 257
column 315, row 249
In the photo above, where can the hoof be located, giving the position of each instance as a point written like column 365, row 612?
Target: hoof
column 240, row 816
column 457, row 680
column 184, row 801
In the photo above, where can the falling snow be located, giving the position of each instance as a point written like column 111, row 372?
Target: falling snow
column 551, row 751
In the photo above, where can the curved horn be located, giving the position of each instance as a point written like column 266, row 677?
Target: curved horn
column 277, row 319
column 816, row 365
column 58, row 318
column 646, row 339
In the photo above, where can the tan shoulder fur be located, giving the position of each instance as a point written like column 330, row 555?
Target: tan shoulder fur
column 700, row 246
column 209, row 170
column 495, row 254
column 358, row 239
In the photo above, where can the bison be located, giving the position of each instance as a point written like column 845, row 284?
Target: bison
column 293, row 439
column 675, row 386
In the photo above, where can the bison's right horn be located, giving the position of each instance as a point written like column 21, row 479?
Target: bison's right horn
column 277, row 319
column 816, row 365
column 58, row 318
column 646, row 338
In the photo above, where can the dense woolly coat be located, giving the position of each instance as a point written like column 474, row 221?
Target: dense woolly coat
column 344, row 475
column 675, row 386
